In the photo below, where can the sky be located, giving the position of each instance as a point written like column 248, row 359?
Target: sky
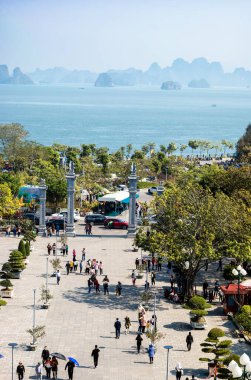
column 117, row 34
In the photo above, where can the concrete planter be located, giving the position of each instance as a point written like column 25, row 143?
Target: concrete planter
column 33, row 346
column 46, row 305
column 16, row 275
column 7, row 293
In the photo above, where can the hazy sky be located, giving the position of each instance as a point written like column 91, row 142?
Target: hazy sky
column 104, row 34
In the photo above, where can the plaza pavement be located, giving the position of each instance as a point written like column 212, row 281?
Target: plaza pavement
column 76, row 320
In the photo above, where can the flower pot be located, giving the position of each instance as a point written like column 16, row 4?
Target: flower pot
column 33, row 346
column 16, row 275
column 7, row 293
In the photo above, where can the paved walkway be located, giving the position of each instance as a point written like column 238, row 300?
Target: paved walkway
column 76, row 320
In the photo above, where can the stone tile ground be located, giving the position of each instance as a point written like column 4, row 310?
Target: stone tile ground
column 76, row 320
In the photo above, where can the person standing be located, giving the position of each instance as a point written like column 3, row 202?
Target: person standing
column 117, row 326
column 153, row 278
column 45, row 354
column 119, row 289
column 49, row 248
column 39, row 371
column 18, row 231
column 139, row 340
column 20, row 371
column 89, row 283
column 219, row 266
column 127, row 324
column 95, row 355
column 54, row 249
column 57, row 229
column 137, row 263
column 205, row 286
column 189, row 341
column 106, row 285
column 66, row 249
column 80, row 266
column 179, row 371
column 58, row 276
column 47, row 366
column 67, row 266
column 151, row 352
column 133, row 277
column 54, row 367
column 70, row 365
column 83, row 254
column 100, row 266
column 74, row 254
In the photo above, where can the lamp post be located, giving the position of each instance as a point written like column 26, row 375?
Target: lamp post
column 154, row 312
column 166, row 169
column 168, row 348
column 243, row 372
column 46, row 283
column 239, row 271
column 34, row 313
column 187, row 265
column 12, row 345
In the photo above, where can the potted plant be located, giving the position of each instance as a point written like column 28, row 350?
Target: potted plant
column 36, row 333
column 7, row 291
column 56, row 265
column 45, row 297
column 155, row 336
column 145, row 298
column 17, row 264
column 141, row 269
column 197, row 319
column 2, row 303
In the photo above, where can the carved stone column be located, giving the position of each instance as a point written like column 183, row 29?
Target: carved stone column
column 132, row 203
column 42, row 207
column 70, row 228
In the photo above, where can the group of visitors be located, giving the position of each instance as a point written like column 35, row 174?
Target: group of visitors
column 52, row 230
column 151, row 264
column 16, row 230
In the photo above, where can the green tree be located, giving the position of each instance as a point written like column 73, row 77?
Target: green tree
column 182, row 148
column 8, row 204
column 10, row 137
column 243, row 146
column 193, row 144
column 193, row 225
column 172, row 147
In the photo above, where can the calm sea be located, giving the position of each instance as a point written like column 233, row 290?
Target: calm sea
column 117, row 116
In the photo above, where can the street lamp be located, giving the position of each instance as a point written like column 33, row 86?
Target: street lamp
column 12, row 345
column 239, row 271
column 239, row 372
column 187, row 265
column 34, row 315
column 166, row 169
column 168, row 348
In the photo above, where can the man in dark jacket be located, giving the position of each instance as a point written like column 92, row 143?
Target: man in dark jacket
column 45, row 354
column 95, row 354
column 189, row 341
column 117, row 326
column 70, row 365
column 20, row 371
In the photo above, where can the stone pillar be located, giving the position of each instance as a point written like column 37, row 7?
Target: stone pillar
column 42, row 207
column 132, row 204
column 70, row 228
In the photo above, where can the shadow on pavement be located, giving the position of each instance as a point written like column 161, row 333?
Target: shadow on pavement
column 178, row 326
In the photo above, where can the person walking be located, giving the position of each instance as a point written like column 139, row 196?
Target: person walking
column 89, row 283
column 95, row 355
column 133, row 275
column 137, row 263
column 66, row 249
column 71, row 266
column 127, row 324
column 153, row 278
column 74, row 254
column 139, row 340
column 45, row 354
column 100, row 267
column 54, row 249
column 106, row 285
column 219, row 266
column 20, row 371
column 117, row 326
column 179, row 371
column 75, row 266
column 39, row 371
column 18, row 231
column 70, row 366
column 205, row 287
column 67, row 266
column 58, row 276
column 151, row 352
column 189, row 341
column 216, row 288
column 54, row 367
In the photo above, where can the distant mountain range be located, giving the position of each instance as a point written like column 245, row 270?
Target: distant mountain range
column 180, row 71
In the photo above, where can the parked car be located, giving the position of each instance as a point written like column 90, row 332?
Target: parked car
column 63, row 214
column 56, row 222
column 116, row 223
column 156, row 189
column 95, row 218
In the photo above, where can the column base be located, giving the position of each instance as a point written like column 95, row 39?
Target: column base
column 131, row 233
column 70, row 231
column 42, row 231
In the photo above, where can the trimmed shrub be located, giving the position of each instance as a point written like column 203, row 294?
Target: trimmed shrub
column 244, row 318
column 231, row 357
column 199, row 313
column 6, row 267
column 16, row 261
column 2, row 302
column 215, row 333
column 198, row 302
column 27, row 248
column 22, row 248
column 225, row 343
column 6, row 284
